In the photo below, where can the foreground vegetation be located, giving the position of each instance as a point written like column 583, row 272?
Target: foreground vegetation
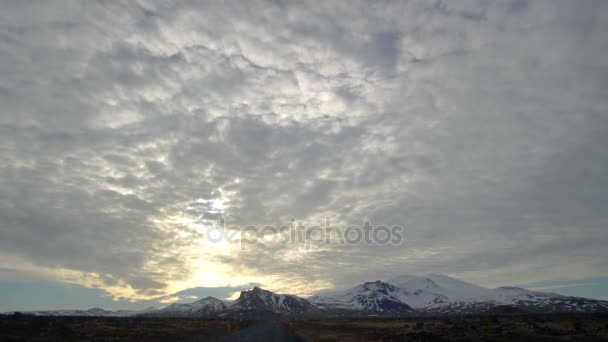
column 530, row 327
column 30, row 328
column 503, row 327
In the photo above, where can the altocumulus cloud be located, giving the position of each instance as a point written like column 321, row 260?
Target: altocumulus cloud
column 480, row 126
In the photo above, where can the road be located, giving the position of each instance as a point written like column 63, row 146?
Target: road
column 273, row 330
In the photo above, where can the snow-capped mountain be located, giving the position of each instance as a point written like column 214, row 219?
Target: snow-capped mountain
column 446, row 288
column 410, row 291
column 207, row 306
column 378, row 297
column 440, row 294
column 257, row 300
column 436, row 290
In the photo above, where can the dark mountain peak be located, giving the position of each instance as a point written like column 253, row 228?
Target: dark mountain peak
column 255, row 292
column 260, row 300
column 379, row 286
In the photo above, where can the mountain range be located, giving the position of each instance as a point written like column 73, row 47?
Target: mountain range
column 433, row 294
column 440, row 294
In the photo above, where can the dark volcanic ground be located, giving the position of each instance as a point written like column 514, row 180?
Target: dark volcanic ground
column 491, row 327
column 494, row 327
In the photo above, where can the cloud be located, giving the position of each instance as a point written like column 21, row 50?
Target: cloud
column 478, row 126
column 554, row 287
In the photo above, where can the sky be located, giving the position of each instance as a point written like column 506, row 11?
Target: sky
column 131, row 130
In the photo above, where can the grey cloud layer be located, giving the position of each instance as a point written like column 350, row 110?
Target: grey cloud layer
column 479, row 126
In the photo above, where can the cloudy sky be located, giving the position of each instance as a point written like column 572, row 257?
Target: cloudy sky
column 128, row 128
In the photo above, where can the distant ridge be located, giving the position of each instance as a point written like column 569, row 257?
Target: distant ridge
column 433, row 294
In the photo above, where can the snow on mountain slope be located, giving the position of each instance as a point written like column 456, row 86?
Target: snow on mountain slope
column 458, row 289
column 448, row 293
column 510, row 294
column 370, row 296
column 203, row 307
column 447, row 288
